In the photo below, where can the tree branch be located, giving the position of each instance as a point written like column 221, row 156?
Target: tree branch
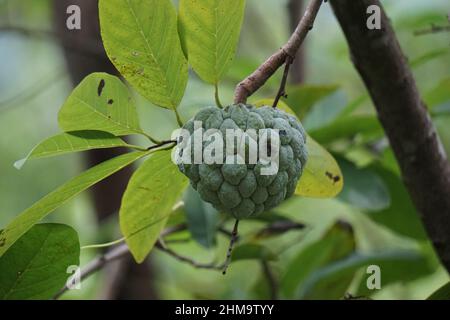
column 258, row 78
column 425, row 169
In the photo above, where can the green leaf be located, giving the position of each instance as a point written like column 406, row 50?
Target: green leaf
column 363, row 188
column 100, row 102
column 322, row 177
column 336, row 244
column 401, row 215
column 64, row 193
column 202, row 218
column 302, row 98
column 443, row 293
column 439, row 95
column 332, row 281
column 141, row 39
column 73, row 142
column 147, row 203
column 326, row 111
column 429, row 56
column 347, row 127
column 35, row 267
column 210, row 32
column 252, row 251
column 419, row 261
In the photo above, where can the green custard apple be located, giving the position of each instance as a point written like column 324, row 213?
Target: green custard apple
column 240, row 188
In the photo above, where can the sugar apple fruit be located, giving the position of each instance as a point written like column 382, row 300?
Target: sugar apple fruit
column 240, row 189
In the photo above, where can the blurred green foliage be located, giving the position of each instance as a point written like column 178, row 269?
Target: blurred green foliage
column 386, row 229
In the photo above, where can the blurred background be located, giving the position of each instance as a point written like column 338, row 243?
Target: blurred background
column 41, row 61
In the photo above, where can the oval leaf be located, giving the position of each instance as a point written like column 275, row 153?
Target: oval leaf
column 147, row 203
column 322, row 177
column 100, row 102
column 35, row 267
column 64, row 193
column 364, row 188
column 337, row 243
column 141, row 39
column 73, row 142
column 210, row 32
column 202, row 218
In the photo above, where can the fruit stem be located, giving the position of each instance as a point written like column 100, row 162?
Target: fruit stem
column 234, row 236
column 216, row 96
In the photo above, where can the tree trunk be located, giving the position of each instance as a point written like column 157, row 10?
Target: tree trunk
column 297, row 71
column 425, row 169
column 85, row 54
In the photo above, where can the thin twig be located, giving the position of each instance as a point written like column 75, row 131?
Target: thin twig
column 259, row 77
column 234, row 235
column 115, row 253
column 185, row 259
column 282, row 90
column 272, row 281
column 118, row 252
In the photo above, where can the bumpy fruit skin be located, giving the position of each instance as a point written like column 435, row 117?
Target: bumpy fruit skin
column 240, row 189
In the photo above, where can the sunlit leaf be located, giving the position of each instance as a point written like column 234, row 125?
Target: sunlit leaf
column 443, row 293
column 148, row 201
column 141, row 39
column 36, row 266
column 322, row 177
column 210, row 32
column 64, row 193
column 73, row 142
column 100, row 102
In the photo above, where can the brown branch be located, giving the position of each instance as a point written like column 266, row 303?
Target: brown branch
column 298, row 70
column 383, row 67
column 282, row 91
column 258, row 78
column 97, row 264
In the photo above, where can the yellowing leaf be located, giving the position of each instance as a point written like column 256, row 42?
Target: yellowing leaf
column 322, row 177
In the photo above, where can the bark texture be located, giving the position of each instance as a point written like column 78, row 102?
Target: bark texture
column 85, row 54
column 384, row 69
